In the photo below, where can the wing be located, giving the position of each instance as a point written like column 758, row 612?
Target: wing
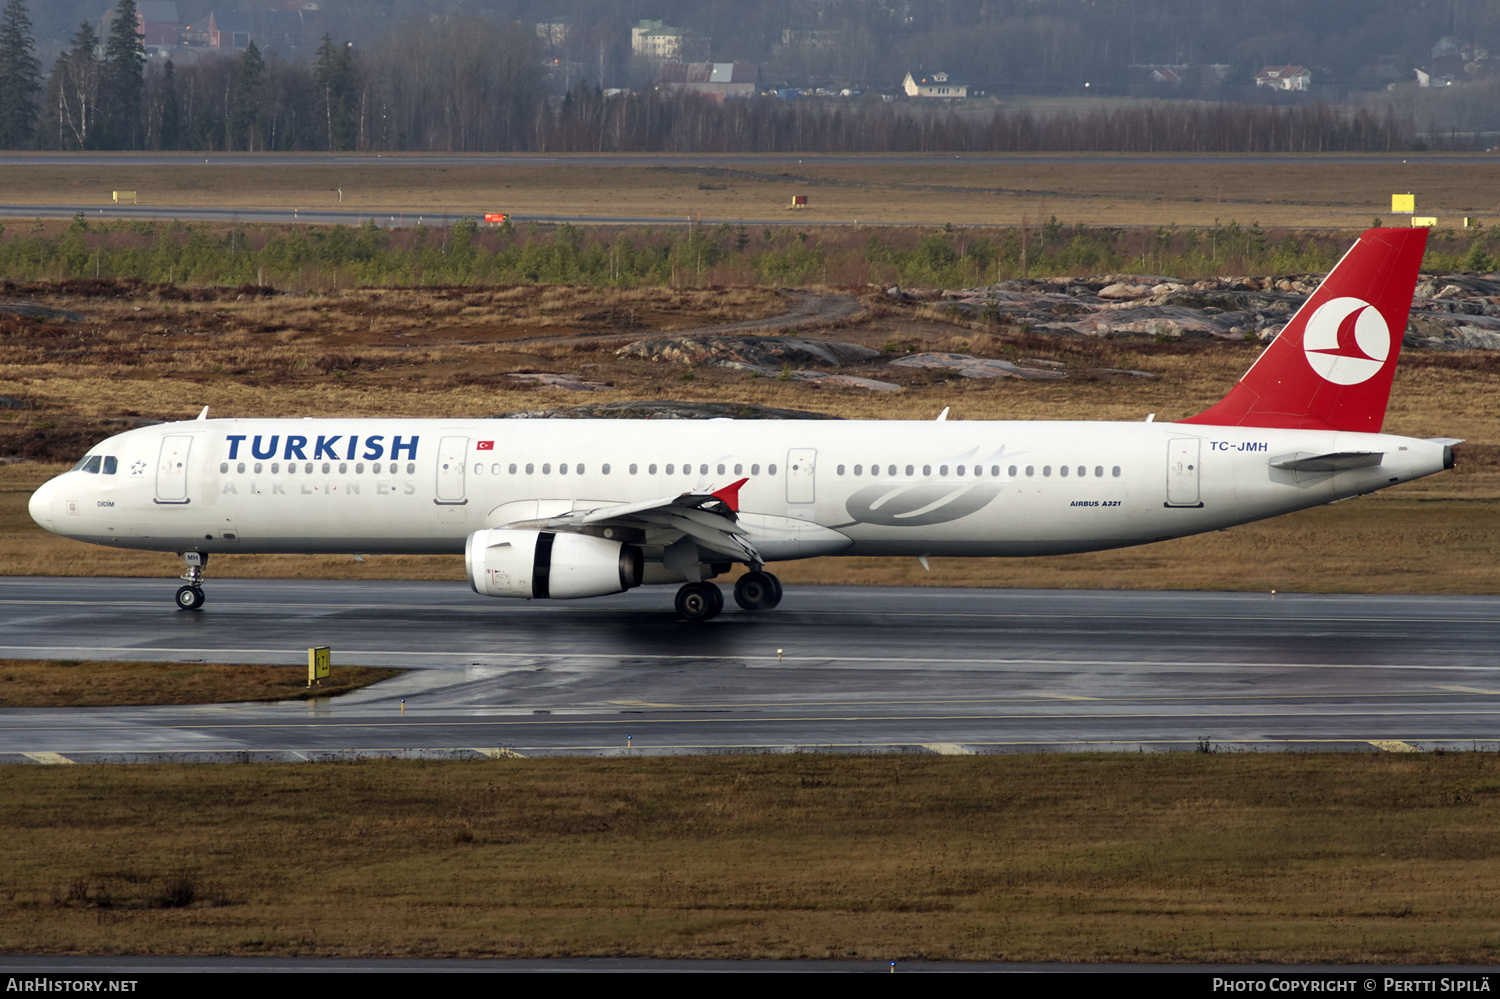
column 709, row 518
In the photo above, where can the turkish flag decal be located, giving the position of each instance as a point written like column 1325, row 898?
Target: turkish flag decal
column 485, row 446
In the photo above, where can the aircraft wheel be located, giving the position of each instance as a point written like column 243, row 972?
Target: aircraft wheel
column 755, row 591
column 699, row 601
column 190, row 598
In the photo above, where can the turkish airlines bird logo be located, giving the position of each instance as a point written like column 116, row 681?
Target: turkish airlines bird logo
column 1347, row 341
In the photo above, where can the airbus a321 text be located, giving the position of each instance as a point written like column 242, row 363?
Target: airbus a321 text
column 582, row 508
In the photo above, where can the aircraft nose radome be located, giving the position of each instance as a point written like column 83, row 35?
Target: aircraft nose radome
column 41, row 505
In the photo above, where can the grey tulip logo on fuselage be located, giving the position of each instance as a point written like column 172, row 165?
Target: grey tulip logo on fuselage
column 921, row 503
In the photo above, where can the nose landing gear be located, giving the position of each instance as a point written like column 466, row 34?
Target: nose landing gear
column 190, row 597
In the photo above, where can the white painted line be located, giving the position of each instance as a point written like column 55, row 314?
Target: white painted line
column 1467, row 690
column 51, row 759
column 754, row 662
column 501, row 754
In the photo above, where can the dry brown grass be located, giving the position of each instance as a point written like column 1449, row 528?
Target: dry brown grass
column 1211, row 858
column 35, row 683
column 1334, row 191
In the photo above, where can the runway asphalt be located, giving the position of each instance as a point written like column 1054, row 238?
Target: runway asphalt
column 834, row 668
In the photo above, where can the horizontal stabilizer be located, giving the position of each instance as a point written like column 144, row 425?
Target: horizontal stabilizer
column 1334, row 461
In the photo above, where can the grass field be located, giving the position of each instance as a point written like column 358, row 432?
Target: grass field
column 36, row 683
column 1191, row 857
column 1337, row 192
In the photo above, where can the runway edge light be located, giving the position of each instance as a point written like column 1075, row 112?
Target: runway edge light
column 318, row 661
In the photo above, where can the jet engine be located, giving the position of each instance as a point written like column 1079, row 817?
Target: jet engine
column 506, row 563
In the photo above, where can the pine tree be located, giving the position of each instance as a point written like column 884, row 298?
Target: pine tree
column 334, row 74
column 20, row 77
column 245, row 124
column 125, row 69
column 170, row 128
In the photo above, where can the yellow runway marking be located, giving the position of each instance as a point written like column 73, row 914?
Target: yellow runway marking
column 1394, row 746
column 946, row 748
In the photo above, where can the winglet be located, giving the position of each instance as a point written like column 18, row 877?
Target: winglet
column 730, row 494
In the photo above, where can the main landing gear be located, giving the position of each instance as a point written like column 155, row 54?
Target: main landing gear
column 190, row 597
column 754, row 591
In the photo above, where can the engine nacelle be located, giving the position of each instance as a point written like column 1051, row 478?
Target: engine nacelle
column 528, row 564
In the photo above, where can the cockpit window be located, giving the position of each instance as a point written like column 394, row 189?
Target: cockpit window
column 88, row 464
column 111, row 464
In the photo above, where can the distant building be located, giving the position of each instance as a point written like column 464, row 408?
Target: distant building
column 939, row 85
column 554, row 32
column 1455, row 63
column 814, row 39
column 1181, row 74
column 270, row 30
column 157, row 21
column 720, row 79
column 656, row 41
column 229, row 31
column 1284, row 78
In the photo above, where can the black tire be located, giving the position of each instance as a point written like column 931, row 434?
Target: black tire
column 190, row 598
column 757, row 591
column 699, row 601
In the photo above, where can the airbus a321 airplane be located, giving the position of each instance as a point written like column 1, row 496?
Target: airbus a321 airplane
column 581, row 508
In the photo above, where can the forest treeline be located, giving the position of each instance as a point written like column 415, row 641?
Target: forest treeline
column 303, row 258
column 468, row 85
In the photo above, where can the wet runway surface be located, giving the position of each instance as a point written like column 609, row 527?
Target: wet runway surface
column 863, row 669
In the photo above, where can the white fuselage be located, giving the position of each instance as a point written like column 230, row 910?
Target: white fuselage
column 814, row 487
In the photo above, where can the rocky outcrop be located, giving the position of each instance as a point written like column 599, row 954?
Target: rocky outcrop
column 552, row 379
column 1449, row 312
column 666, row 410
column 768, row 355
column 33, row 311
column 967, row 366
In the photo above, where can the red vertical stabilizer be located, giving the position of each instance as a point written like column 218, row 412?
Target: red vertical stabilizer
column 1331, row 367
